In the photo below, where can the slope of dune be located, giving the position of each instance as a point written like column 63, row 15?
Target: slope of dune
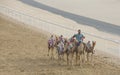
column 23, row 51
column 65, row 17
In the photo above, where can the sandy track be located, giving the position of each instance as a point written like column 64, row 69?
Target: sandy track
column 23, row 51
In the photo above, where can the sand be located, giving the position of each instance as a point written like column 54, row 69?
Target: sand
column 23, row 51
column 73, row 13
column 23, row 48
column 104, row 10
column 107, row 42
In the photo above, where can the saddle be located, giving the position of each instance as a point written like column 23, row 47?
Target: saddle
column 51, row 43
column 78, row 43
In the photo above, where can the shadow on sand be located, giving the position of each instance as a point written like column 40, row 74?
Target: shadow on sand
column 100, row 25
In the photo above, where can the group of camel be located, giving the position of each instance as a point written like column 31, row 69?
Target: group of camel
column 70, row 48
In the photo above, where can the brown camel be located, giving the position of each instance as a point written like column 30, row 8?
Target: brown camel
column 90, row 50
column 60, row 51
column 50, row 48
column 72, row 48
column 60, row 47
column 80, row 50
column 68, row 50
column 51, row 45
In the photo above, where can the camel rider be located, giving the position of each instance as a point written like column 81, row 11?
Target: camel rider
column 79, row 37
column 61, row 39
column 51, row 41
column 88, row 45
column 60, row 47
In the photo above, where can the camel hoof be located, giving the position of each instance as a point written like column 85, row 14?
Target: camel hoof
column 63, row 59
column 51, row 58
column 59, row 64
column 83, row 61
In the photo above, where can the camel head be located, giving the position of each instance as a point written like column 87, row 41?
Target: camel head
column 56, row 37
column 74, row 41
column 93, row 44
column 65, row 41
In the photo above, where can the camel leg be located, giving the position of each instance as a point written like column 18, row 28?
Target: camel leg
column 67, row 59
column 76, row 58
column 63, row 56
column 52, row 54
column 79, row 59
column 87, row 57
column 58, row 59
column 83, row 58
column 91, row 57
column 71, row 60
column 48, row 51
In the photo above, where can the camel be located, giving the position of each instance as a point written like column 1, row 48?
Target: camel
column 72, row 48
column 90, row 50
column 60, row 47
column 60, row 51
column 80, row 50
column 51, row 45
column 68, row 50
column 56, row 41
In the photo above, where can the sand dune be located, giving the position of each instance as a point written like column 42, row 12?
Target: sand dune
column 23, row 51
column 103, row 10
column 99, row 25
column 104, row 31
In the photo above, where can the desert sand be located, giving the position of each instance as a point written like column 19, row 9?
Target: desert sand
column 23, row 47
column 23, row 51
column 96, row 25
